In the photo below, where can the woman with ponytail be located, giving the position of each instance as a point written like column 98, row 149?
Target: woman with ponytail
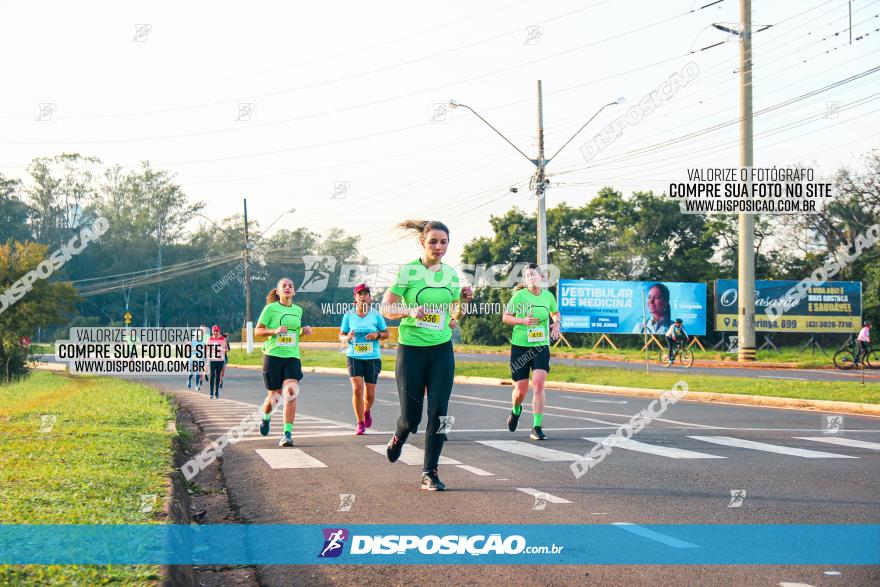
column 426, row 298
column 281, row 321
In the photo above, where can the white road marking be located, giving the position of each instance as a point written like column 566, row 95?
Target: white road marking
column 626, row 416
column 595, row 401
column 843, row 441
column 662, row 451
column 475, row 470
column 655, row 536
column 411, row 455
column 506, row 408
column 289, row 458
column 555, row 429
column 784, row 584
column 774, row 448
column 776, row 377
column 543, row 494
column 532, row 451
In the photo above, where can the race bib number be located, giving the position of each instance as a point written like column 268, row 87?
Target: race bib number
column 537, row 334
column 433, row 320
column 285, row 340
column 362, row 348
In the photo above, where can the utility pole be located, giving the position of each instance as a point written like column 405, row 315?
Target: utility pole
column 746, row 265
column 539, row 184
column 158, row 269
column 247, row 271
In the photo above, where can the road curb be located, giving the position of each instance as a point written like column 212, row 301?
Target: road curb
column 177, row 505
column 760, row 401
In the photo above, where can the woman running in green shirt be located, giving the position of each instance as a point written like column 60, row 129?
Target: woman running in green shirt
column 281, row 321
column 529, row 312
column 426, row 299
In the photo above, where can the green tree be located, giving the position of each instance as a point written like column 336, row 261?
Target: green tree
column 63, row 188
column 13, row 211
column 46, row 303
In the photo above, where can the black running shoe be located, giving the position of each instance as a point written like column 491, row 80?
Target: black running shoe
column 512, row 421
column 264, row 427
column 432, row 482
column 537, row 434
column 393, row 450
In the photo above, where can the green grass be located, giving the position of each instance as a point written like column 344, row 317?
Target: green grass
column 107, row 447
column 848, row 391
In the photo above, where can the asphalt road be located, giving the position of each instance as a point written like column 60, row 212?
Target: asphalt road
column 681, row 470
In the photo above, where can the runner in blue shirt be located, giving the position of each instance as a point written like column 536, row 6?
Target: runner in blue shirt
column 362, row 329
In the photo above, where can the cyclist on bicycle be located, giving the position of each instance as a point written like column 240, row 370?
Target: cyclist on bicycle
column 675, row 334
column 864, row 340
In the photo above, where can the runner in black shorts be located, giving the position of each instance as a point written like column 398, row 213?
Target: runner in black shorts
column 361, row 330
column 426, row 297
column 281, row 321
column 529, row 311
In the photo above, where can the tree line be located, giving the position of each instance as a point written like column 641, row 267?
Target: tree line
column 149, row 265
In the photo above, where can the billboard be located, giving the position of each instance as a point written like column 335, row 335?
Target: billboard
column 835, row 306
column 630, row 307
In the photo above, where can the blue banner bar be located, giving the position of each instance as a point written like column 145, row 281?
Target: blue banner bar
column 626, row 544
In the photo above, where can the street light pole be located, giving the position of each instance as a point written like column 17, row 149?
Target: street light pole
column 539, row 179
column 539, row 184
column 247, row 272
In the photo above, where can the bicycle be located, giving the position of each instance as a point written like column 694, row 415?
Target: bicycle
column 684, row 355
column 845, row 359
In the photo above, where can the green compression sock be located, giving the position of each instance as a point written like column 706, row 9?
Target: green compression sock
column 288, row 427
column 537, row 418
column 267, row 417
column 517, row 410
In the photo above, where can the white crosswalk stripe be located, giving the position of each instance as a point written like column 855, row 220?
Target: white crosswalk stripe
column 843, row 441
column 532, row 451
column 543, row 495
column 289, row 458
column 774, row 448
column 654, row 535
column 476, row 471
column 412, row 455
column 662, row 451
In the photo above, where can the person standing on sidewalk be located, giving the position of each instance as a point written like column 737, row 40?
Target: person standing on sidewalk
column 426, row 299
column 529, row 312
column 361, row 330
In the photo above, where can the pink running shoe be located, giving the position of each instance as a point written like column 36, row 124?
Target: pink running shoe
column 368, row 419
column 360, row 428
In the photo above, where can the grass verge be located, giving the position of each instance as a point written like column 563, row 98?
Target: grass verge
column 791, row 355
column 846, row 391
column 106, row 447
